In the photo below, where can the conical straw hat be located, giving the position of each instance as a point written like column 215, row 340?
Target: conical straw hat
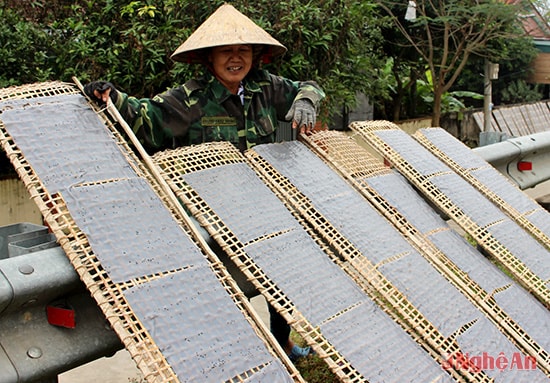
column 226, row 26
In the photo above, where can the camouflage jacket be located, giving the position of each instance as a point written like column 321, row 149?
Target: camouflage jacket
column 203, row 110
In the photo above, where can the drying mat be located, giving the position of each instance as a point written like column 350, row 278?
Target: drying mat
column 360, row 233
column 179, row 314
column 521, row 254
column 514, row 310
column 489, row 181
column 292, row 270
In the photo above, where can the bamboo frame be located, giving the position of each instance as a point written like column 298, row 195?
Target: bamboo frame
column 109, row 295
column 356, row 165
column 510, row 210
column 365, row 273
column 522, row 274
column 174, row 165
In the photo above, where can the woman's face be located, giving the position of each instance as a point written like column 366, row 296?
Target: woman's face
column 231, row 64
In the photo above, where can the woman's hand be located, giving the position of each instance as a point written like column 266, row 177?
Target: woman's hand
column 101, row 91
column 303, row 116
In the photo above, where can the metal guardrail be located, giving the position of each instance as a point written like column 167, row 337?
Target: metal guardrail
column 48, row 321
column 523, row 159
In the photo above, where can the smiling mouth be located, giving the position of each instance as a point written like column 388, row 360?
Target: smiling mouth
column 234, row 68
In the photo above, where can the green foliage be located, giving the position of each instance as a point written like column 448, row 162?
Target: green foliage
column 451, row 102
column 518, row 91
column 347, row 46
column 327, row 41
column 26, row 51
column 445, row 37
column 511, row 86
column 129, row 42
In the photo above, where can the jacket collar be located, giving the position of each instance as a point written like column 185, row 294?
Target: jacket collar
column 219, row 91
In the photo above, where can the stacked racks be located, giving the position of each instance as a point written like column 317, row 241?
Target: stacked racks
column 517, row 250
column 177, row 311
column 292, row 268
column 496, row 294
column 493, row 184
column 343, row 247
column 448, row 320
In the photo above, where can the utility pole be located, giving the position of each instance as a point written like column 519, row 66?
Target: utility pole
column 491, row 73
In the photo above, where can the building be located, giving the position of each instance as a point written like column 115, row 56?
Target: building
column 536, row 26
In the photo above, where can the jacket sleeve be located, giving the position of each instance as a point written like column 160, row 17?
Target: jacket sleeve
column 287, row 91
column 160, row 122
column 312, row 91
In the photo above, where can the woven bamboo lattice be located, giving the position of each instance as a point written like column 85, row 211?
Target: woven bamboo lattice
column 365, row 273
column 364, row 239
column 511, row 308
column 489, row 181
column 178, row 312
column 294, row 270
column 524, row 257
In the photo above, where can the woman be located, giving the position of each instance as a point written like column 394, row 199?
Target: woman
column 233, row 101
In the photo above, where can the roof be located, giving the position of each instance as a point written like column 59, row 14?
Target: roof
column 534, row 24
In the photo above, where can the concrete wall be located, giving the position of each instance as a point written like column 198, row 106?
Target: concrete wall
column 16, row 205
column 463, row 127
column 411, row 126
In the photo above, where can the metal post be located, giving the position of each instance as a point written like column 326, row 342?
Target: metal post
column 490, row 73
column 487, row 93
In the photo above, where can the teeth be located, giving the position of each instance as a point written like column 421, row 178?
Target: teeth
column 233, row 68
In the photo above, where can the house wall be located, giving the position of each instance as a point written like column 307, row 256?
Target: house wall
column 541, row 69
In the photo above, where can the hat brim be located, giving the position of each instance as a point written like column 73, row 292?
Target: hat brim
column 226, row 26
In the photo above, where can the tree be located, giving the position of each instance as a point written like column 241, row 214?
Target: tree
column 446, row 34
column 25, row 50
column 129, row 42
column 543, row 7
column 336, row 42
column 405, row 68
column 512, row 86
